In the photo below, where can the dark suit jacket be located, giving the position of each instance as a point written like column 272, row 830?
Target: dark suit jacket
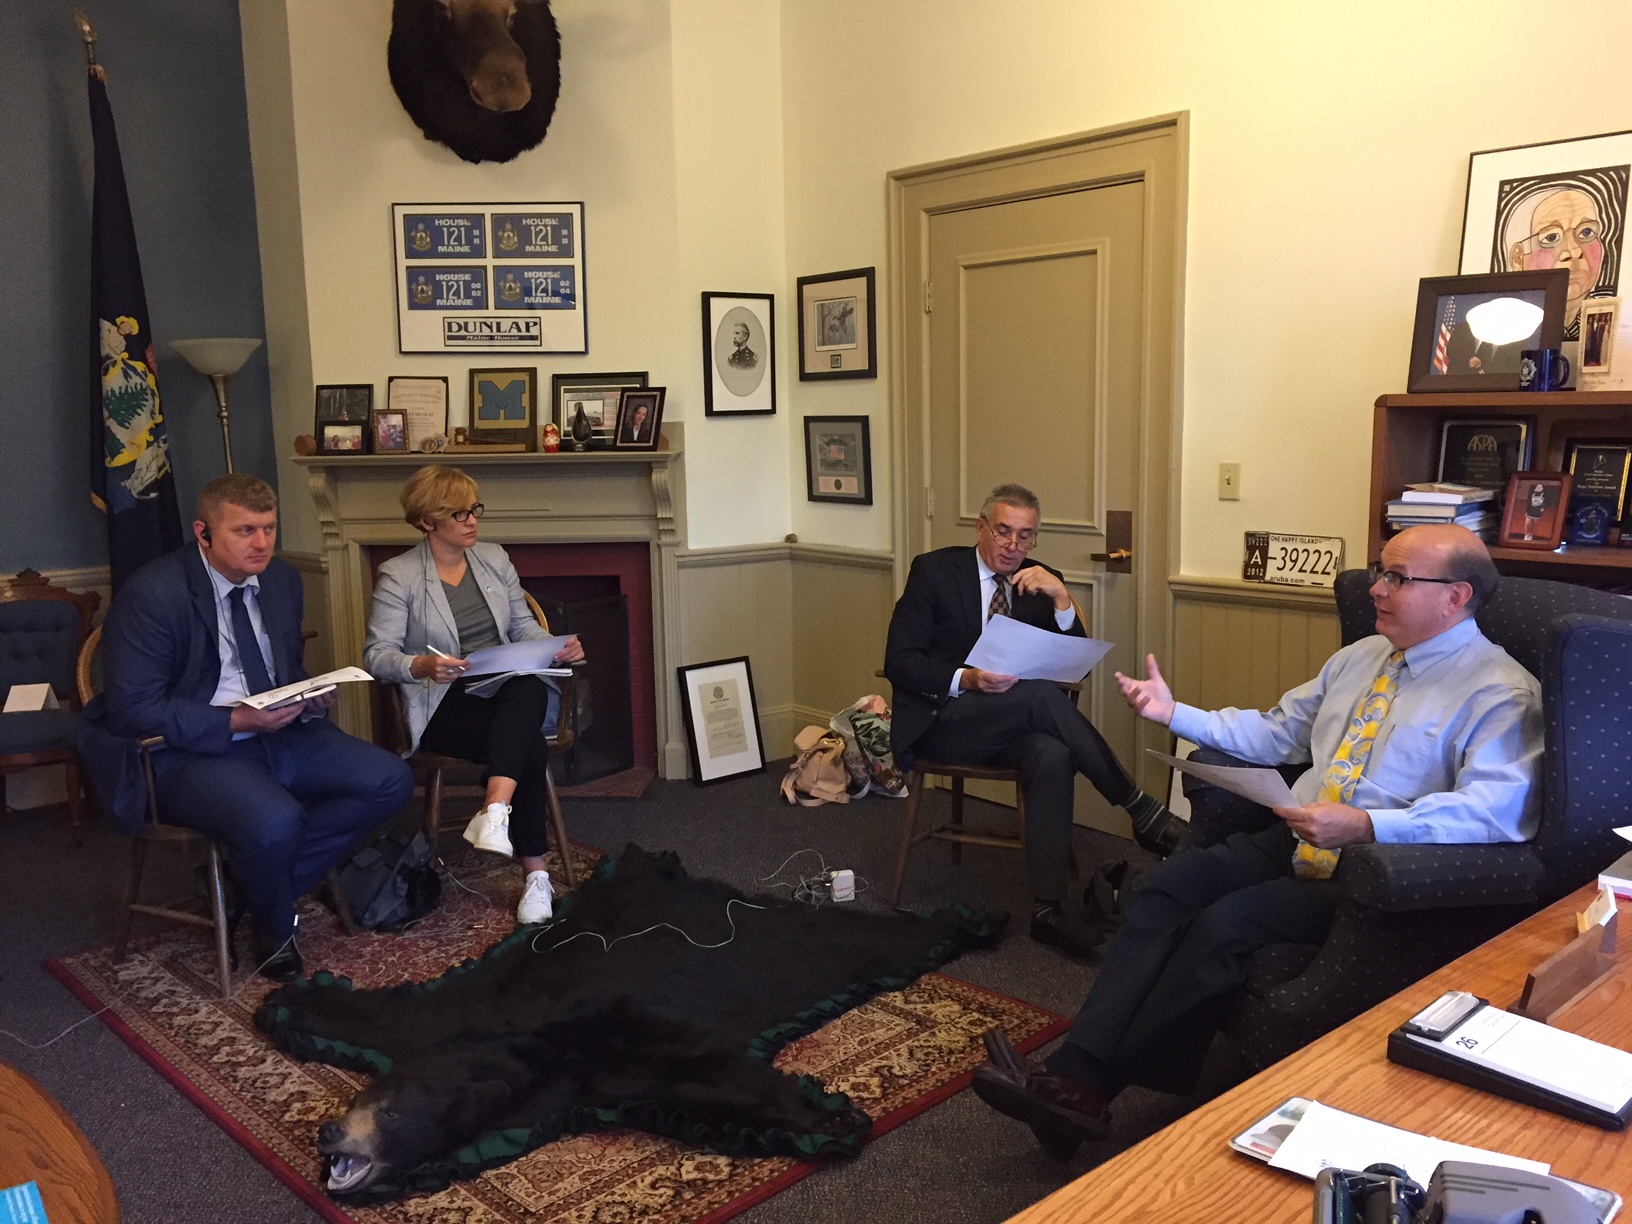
column 937, row 621
column 161, row 664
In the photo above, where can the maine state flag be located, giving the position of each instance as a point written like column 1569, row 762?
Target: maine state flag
column 131, row 480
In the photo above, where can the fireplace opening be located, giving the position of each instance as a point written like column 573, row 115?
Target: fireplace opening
column 598, row 613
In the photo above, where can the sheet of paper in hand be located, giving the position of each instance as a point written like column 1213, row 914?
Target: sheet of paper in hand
column 1009, row 647
column 531, row 657
column 301, row 690
column 1261, row 784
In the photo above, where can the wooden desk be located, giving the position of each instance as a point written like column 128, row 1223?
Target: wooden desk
column 1187, row 1171
column 40, row 1143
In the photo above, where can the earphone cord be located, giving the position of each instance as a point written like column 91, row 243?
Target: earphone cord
column 606, row 945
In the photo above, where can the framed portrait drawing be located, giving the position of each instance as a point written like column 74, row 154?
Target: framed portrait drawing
column 838, row 332
column 739, row 354
column 390, row 431
column 1484, row 453
column 640, row 419
column 423, row 403
column 343, row 403
column 504, row 406
column 1470, row 330
column 838, row 460
column 342, row 438
column 722, row 723
column 597, row 397
column 1556, row 205
column 1537, row 510
column 1600, row 316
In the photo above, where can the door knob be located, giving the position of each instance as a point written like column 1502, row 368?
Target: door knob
column 1118, row 555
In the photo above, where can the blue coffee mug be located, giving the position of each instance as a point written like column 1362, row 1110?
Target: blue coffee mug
column 1544, row 369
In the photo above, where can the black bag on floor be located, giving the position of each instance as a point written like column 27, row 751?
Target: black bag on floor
column 391, row 882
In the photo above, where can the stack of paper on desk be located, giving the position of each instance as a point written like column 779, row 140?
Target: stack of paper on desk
column 1013, row 648
column 300, row 690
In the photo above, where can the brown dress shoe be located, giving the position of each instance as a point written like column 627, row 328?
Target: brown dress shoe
column 1061, row 1112
column 1058, row 929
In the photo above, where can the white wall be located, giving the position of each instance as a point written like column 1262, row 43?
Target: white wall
column 332, row 164
column 1328, row 164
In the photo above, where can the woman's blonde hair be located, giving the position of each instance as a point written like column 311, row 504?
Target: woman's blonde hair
column 433, row 493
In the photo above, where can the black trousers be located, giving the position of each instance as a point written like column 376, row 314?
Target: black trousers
column 503, row 732
column 1192, row 923
column 1035, row 728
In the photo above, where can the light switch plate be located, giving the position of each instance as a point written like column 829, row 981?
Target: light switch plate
column 1229, row 482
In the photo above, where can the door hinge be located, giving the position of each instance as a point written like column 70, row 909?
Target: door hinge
column 929, row 296
column 929, row 503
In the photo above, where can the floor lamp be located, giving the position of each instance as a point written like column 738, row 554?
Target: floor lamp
column 219, row 360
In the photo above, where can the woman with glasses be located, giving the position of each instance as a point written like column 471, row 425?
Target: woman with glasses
column 434, row 606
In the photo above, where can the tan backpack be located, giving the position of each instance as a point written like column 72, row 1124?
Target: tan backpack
column 817, row 775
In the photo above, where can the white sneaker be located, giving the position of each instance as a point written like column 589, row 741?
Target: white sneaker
column 535, row 899
column 490, row 830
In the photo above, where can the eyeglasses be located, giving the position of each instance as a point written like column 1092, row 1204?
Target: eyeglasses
column 1394, row 580
column 1025, row 540
column 464, row 516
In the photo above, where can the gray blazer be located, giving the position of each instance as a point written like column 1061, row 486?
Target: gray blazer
column 411, row 612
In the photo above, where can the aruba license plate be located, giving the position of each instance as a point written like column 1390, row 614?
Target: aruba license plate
column 1291, row 560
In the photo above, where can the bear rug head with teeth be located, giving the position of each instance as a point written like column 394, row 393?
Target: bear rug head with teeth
column 552, row 1031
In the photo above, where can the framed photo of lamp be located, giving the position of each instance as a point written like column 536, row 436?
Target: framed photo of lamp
column 739, row 354
column 640, row 419
column 838, row 333
column 504, row 406
column 1470, row 330
column 596, row 397
column 722, row 723
column 838, row 460
column 1537, row 510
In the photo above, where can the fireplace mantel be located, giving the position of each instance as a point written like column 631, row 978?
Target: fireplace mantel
column 530, row 499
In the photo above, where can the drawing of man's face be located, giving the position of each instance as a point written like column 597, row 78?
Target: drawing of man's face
column 739, row 334
column 1565, row 232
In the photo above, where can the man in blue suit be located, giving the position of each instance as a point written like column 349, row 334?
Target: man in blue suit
column 190, row 635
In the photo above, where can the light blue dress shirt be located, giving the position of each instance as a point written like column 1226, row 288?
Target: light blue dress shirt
column 232, row 687
column 1456, row 760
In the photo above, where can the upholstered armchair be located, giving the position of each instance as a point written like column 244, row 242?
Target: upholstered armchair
column 41, row 629
column 1409, row 909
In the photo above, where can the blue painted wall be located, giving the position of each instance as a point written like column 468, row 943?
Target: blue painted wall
column 176, row 80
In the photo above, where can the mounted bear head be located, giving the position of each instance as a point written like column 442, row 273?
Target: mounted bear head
column 480, row 76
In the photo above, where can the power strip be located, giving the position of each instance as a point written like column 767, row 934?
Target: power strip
column 843, row 885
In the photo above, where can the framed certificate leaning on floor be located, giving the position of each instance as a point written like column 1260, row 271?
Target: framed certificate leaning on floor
column 722, row 724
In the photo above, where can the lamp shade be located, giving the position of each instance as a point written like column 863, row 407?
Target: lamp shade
column 1504, row 320
column 223, row 357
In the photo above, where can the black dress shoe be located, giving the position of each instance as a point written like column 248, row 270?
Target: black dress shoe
column 1162, row 835
column 1061, row 1112
column 1055, row 928
column 278, row 959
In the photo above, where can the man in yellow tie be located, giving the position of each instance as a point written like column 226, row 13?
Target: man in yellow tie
column 1426, row 732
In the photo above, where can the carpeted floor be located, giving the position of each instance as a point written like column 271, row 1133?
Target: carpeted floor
column 171, row 1165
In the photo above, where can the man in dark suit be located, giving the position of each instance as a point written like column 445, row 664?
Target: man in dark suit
column 187, row 637
column 948, row 712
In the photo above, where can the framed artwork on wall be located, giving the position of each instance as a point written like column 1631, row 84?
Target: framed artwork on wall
column 504, row 406
column 1556, row 205
column 838, row 460
column 739, row 354
column 838, row 333
column 1470, row 330
column 722, row 723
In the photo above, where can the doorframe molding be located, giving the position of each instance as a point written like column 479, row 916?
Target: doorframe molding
column 1154, row 151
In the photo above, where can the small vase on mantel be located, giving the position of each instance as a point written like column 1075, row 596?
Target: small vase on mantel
column 581, row 431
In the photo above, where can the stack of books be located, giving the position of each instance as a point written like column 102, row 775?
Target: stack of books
column 1465, row 505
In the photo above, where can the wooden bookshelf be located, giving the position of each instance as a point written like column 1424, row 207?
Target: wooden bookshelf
column 1405, row 450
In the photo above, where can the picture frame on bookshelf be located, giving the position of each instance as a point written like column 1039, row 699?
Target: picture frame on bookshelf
column 1537, row 510
column 1485, row 452
column 1601, row 471
column 1470, row 330
column 1600, row 317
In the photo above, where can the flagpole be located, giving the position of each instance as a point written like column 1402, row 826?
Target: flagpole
column 87, row 34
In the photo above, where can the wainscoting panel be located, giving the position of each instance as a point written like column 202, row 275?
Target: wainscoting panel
column 315, row 586
column 1239, row 645
column 842, row 601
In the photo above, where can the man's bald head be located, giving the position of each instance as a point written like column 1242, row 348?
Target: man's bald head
column 1455, row 552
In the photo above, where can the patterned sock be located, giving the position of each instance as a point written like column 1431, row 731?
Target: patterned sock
column 1144, row 810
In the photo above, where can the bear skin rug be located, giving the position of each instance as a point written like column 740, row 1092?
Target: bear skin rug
column 608, row 1017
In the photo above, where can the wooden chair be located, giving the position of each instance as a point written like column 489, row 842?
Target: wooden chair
column 435, row 766
column 954, row 830
column 184, row 841
column 42, row 629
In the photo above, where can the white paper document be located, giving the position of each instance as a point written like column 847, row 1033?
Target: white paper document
column 536, row 656
column 1013, row 648
column 1259, row 783
column 300, row 690
column 1328, row 1138
column 23, row 698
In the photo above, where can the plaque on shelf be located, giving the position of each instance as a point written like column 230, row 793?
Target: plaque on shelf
column 1590, row 522
column 1484, row 453
column 1601, row 470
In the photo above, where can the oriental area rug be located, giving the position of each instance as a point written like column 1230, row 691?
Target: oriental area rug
column 895, row 1056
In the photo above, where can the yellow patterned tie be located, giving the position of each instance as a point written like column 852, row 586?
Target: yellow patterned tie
column 1349, row 762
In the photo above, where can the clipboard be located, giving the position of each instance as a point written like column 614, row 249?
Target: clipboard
column 1461, row 1037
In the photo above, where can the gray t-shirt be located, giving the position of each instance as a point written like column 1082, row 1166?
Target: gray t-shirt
column 471, row 615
